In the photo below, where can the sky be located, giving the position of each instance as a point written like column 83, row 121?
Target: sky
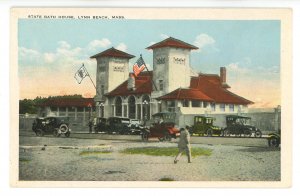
column 52, row 50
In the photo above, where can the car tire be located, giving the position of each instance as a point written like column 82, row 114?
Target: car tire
column 145, row 137
column 55, row 133
column 209, row 132
column 273, row 142
column 258, row 134
column 226, row 133
column 63, row 128
column 167, row 137
column 39, row 133
column 247, row 133
column 67, row 134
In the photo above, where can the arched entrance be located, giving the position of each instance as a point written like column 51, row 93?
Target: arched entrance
column 131, row 107
column 118, row 105
column 146, row 107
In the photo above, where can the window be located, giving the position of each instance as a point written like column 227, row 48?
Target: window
column 185, row 103
column 125, row 110
column 205, row 104
column 213, row 106
column 222, row 107
column 171, row 106
column 161, row 85
column 196, row 104
column 231, row 107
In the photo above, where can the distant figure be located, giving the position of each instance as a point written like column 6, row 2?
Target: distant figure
column 184, row 144
column 90, row 126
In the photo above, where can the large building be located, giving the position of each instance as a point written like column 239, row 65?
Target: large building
column 170, row 86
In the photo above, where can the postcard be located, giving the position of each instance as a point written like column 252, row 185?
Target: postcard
column 151, row 97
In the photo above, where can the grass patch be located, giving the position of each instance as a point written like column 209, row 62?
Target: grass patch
column 24, row 160
column 166, row 179
column 165, row 151
column 87, row 153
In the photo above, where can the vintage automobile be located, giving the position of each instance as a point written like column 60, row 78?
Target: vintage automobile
column 240, row 125
column 274, row 139
column 100, row 125
column 51, row 125
column 162, row 126
column 204, row 126
column 118, row 125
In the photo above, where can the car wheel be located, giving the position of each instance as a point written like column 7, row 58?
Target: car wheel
column 39, row 133
column 56, row 133
column 67, row 134
column 161, row 139
column 258, row 134
column 63, row 128
column 209, row 133
column 167, row 136
column 247, row 133
column 226, row 133
column 273, row 142
column 145, row 137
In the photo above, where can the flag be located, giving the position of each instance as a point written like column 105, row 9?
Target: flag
column 80, row 74
column 139, row 66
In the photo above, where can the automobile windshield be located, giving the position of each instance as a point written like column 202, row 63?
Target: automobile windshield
column 209, row 121
column 243, row 121
column 164, row 117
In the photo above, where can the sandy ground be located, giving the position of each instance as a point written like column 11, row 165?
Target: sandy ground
column 227, row 163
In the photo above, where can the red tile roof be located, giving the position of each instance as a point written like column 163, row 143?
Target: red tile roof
column 143, row 85
column 189, row 94
column 112, row 52
column 69, row 102
column 172, row 42
column 205, row 87
column 212, row 87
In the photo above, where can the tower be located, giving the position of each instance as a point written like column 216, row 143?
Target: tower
column 171, row 65
column 112, row 70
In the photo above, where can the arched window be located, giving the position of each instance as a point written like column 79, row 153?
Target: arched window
column 131, row 107
column 118, row 105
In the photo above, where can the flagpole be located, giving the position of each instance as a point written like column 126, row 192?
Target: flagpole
column 148, row 72
column 89, row 76
column 97, row 93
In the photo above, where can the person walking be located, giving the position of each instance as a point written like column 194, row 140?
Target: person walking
column 184, row 145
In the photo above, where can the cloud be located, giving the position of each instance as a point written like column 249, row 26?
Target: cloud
column 95, row 44
column 51, row 73
column 260, row 84
column 122, row 47
column 203, row 40
column 164, row 36
column 64, row 45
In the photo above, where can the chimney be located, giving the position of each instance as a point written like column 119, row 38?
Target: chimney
column 223, row 75
column 131, row 82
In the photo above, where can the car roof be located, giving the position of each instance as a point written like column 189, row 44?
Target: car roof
column 161, row 113
column 237, row 116
column 205, row 117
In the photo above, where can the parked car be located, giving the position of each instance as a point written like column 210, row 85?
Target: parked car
column 162, row 126
column 100, row 125
column 51, row 125
column 135, row 127
column 118, row 125
column 274, row 139
column 240, row 125
column 204, row 126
